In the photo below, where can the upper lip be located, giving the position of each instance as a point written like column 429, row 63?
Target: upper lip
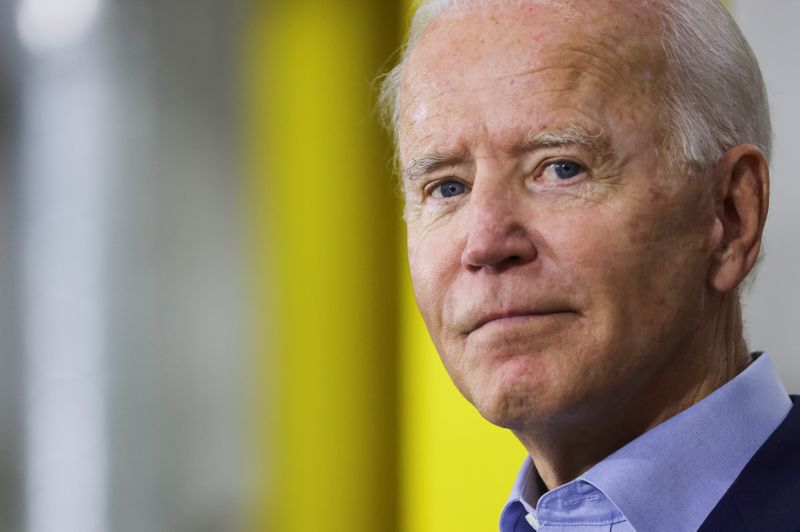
column 492, row 316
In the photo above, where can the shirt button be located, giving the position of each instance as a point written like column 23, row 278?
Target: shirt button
column 531, row 519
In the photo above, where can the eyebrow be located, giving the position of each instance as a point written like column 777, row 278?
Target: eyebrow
column 429, row 163
column 597, row 142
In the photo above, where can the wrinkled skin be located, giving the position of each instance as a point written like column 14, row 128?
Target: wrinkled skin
column 561, row 269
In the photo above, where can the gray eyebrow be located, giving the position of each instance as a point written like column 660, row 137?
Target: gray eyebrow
column 597, row 141
column 428, row 163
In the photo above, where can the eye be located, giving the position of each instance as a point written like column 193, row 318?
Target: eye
column 448, row 189
column 562, row 170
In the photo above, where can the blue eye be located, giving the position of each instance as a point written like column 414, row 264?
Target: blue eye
column 448, row 189
column 566, row 169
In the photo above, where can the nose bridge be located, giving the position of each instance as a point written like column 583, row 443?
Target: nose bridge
column 491, row 206
column 496, row 229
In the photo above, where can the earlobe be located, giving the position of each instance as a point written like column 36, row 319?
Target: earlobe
column 742, row 202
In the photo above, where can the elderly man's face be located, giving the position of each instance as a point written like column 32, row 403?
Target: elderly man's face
column 557, row 264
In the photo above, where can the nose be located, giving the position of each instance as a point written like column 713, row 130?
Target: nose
column 497, row 238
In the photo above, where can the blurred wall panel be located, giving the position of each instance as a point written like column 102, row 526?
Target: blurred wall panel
column 129, row 229
column 175, row 378
column 325, row 235
column 66, row 137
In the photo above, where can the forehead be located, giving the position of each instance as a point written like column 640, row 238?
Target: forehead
column 507, row 61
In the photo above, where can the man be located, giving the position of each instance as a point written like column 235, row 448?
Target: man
column 586, row 186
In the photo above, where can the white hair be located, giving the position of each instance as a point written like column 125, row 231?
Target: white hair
column 715, row 96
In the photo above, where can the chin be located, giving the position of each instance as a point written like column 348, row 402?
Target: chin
column 512, row 402
column 522, row 393
column 513, row 411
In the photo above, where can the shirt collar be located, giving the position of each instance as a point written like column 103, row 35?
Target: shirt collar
column 678, row 471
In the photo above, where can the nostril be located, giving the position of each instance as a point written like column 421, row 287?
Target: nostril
column 509, row 262
column 497, row 246
column 500, row 266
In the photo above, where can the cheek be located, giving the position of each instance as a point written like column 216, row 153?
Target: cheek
column 634, row 257
column 579, row 244
column 433, row 262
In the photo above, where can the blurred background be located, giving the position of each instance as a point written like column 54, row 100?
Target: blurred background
column 205, row 315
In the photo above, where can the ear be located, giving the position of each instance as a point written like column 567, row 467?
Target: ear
column 742, row 202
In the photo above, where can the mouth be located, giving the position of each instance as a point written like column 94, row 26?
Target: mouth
column 512, row 318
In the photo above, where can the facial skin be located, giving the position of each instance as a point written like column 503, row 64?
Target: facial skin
column 573, row 286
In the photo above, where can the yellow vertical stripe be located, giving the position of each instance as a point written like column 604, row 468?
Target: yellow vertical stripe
column 324, row 227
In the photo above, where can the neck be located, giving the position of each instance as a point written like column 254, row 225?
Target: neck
column 711, row 358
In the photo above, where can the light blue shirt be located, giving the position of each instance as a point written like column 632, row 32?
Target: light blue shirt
column 669, row 478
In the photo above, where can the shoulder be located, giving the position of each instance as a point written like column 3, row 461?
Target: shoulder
column 766, row 494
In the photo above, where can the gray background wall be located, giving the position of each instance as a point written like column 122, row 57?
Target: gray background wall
column 772, row 305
